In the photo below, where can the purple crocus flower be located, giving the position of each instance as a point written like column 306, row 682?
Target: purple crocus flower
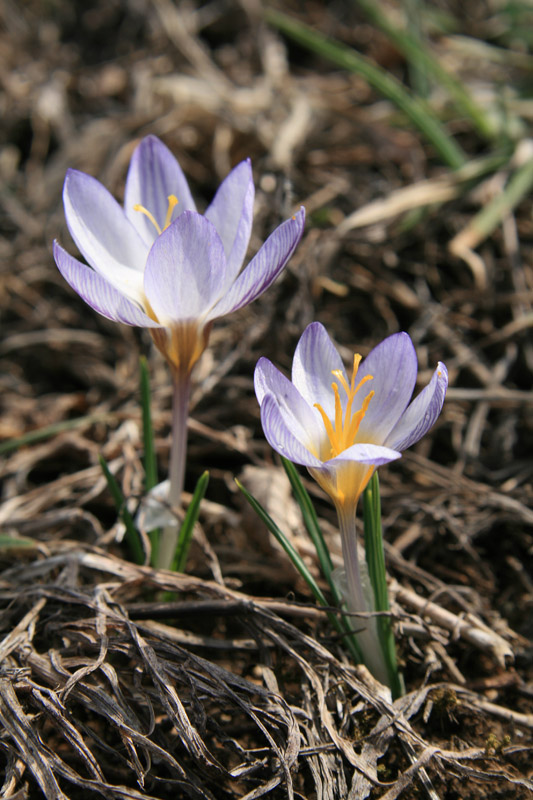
column 157, row 263
column 341, row 428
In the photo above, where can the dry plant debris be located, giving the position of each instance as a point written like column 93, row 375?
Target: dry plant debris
column 121, row 681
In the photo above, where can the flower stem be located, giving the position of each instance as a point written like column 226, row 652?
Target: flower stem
column 178, row 450
column 357, row 599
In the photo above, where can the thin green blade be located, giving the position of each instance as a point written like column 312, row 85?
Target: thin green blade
column 132, row 535
column 189, row 521
column 375, row 559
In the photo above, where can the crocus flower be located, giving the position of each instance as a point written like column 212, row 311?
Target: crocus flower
column 159, row 264
column 341, row 428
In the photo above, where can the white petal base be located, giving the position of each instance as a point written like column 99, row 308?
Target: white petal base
column 155, row 511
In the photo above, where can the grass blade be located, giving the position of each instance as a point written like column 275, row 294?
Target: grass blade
column 14, row 543
column 374, row 544
column 485, row 222
column 150, row 460
column 375, row 559
column 310, row 520
column 422, row 60
column 284, row 542
column 418, row 72
column 41, row 434
column 341, row 624
column 415, row 109
column 189, row 521
column 132, row 535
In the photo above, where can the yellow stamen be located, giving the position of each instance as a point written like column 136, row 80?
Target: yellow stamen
column 327, row 424
column 342, row 432
column 143, row 210
column 353, row 427
column 172, row 203
column 338, row 417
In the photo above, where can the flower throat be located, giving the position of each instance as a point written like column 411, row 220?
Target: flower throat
column 343, row 430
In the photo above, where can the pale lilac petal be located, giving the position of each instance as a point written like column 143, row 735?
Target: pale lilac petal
column 102, row 232
column 364, row 453
column 315, row 358
column 298, row 415
column 185, row 269
column 264, row 268
column 422, row 412
column 231, row 212
column 153, row 175
column 346, row 475
column 98, row 292
column 280, row 436
column 394, row 367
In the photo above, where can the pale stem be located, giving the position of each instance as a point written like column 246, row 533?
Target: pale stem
column 178, row 451
column 356, row 602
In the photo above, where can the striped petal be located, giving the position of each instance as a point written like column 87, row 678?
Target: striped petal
column 421, row 413
column 264, row 268
column 99, row 293
column 281, row 438
column 102, row 232
column 363, row 453
column 153, row 175
column 394, row 367
column 185, row 270
column 231, row 212
column 315, row 358
column 298, row 415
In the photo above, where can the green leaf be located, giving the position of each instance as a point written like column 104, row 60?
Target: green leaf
column 150, row 460
column 375, row 559
column 189, row 521
column 132, row 534
column 311, row 523
column 341, row 625
column 8, row 542
column 285, row 543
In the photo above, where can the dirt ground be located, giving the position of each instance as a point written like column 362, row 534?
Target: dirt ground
column 234, row 685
